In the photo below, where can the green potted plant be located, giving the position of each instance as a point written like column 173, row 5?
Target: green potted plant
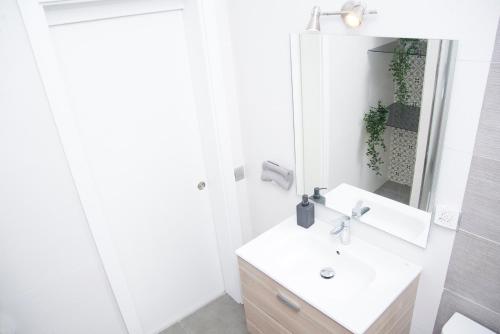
column 375, row 120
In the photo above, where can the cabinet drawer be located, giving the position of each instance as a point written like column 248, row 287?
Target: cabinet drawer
column 397, row 318
column 283, row 306
column 259, row 322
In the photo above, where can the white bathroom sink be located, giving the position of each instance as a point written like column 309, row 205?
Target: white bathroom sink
column 352, row 274
column 367, row 279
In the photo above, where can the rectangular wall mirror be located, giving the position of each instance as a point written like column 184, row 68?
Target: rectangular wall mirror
column 369, row 112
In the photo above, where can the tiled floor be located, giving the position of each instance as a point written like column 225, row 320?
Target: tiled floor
column 395, row 191
column 222, row 316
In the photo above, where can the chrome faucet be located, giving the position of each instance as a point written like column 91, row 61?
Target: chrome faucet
column 344, row 228
column 359, row 210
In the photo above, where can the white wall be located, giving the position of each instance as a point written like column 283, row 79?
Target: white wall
column 351, row 76
column 381, row 88
column 51, row 278
column 339, row 80
column 260, row 41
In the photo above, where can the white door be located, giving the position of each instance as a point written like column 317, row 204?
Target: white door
column 129, row 83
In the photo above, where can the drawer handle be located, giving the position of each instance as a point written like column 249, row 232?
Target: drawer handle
column 285, row 300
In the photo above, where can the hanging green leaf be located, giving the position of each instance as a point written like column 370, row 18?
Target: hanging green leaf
column 400, row 65
column 375, row 121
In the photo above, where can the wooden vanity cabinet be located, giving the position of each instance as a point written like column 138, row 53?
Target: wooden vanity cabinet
column 272, row 309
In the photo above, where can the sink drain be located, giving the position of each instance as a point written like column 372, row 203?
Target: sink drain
column 327, row 273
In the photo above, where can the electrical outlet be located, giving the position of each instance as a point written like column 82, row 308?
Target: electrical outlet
column 446, row 216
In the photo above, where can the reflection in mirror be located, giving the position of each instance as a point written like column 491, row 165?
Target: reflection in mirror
column 368, row 111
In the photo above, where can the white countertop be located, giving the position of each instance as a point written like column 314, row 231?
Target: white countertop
column 398, row 219
column 367, row 281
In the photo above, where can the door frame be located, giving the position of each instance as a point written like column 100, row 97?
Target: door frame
column 205, row 18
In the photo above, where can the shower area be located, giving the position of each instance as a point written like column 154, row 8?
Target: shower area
column 400, row 69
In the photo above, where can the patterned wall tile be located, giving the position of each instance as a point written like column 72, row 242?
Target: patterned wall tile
column 402, row 156
column 403, row 142
column 415, row 80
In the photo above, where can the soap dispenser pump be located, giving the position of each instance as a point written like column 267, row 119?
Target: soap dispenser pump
column 317, row 197
column 305, row 212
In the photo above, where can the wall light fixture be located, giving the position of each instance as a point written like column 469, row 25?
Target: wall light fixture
column 351, row 12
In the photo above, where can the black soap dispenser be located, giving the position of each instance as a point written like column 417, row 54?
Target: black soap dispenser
column 305, row 212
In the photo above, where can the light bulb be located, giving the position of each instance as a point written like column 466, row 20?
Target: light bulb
column 352, row 20
column 352, row 14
